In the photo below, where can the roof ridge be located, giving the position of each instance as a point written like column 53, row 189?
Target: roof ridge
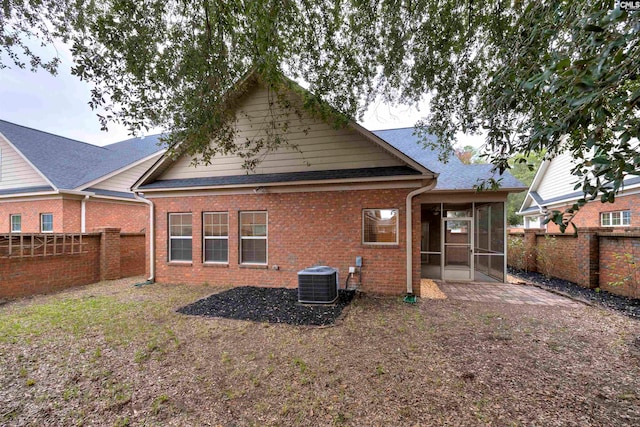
column 53, row 134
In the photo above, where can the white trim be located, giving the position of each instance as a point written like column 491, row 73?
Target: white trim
column 265, row 238
column 634, row 189
column 610, row 214
column 397, row 227
column 42, row 222
column 28, row 162
column 11, row 223
column 31, row 197
column 117, row 199
column 122, row 169
column 205, row 238
column 170, row 237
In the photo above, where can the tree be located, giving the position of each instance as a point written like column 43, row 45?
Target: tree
column 468, row 154
column 558, row 75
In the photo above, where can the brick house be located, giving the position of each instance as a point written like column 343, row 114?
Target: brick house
column 332, row 196
column 553, row 189
column 52, row 184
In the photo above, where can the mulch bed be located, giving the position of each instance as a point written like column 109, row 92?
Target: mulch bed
column 627, row 306
column 272, row 305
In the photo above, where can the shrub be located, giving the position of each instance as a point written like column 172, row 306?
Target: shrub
column 548, row 256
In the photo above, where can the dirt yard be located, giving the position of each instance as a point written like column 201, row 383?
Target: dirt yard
column 112, row 354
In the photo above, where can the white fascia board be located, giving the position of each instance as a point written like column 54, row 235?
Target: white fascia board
column 142, row 180
column 29, row 195
column 28, row 161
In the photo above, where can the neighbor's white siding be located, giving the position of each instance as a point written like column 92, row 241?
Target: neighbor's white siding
column 125, row 179
column 15, row 172
column 321, row 147
column 557, row 180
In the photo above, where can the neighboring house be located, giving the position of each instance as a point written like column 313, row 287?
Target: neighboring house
column 341, row 194
column 52, row 184
column 553, row 189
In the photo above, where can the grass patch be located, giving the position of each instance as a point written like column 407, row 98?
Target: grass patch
column 74, row 316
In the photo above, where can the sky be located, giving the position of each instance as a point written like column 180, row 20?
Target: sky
column 59, row 105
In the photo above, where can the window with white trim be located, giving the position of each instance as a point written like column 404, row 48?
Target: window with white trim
column 215, row 227
column 180, row 236
column 16, row 223
column 615, row 219
column 46, row 223
column 253, row 237
column 380, row 226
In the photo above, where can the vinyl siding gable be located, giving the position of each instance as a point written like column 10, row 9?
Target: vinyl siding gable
column 125, row 179
column 15, row 172
column 312, row 145
column 557, row 180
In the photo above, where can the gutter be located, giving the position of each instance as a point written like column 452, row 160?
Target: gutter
column 152, row 261
column 409, row 233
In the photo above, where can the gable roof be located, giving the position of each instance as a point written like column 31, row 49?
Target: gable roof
column 554, row 185
column 453, row 175
column 69, row 164
column 406, row 167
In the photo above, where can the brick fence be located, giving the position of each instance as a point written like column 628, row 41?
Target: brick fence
column 592, row 258
column 105, row 255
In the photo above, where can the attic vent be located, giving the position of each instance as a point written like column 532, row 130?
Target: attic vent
column 318, row 285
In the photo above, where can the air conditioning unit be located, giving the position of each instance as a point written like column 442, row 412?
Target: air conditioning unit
column 318, row 285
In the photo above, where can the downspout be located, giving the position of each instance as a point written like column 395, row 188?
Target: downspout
column 152, row 261
column 83, row 214
column 410, row 197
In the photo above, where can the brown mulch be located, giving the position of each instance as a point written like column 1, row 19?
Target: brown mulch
column 112, row 354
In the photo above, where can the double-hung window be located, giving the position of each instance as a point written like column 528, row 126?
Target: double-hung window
column 253, row 237
column 615, row 219
column 216, row 236
column 46, row 223
column 380, row 226
column 180, row 236
column 16, row 223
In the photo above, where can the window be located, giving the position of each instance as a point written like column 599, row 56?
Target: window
column 179, row 237
column 615, row 219
column 46, row 223
column 380, row 226
column 16, row 223
column 253, row 237
column 216, row 236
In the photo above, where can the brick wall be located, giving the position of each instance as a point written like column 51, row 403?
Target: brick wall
column 132, row 254
column 29, row 276
column 30, row 212
column 620, row 260
column 304, row 229
column 594, row 257
column 103, row 254
column 71, row 216
column 589, row 214
column 128, row 217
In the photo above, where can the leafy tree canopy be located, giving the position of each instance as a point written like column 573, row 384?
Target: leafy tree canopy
column 558, row 75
